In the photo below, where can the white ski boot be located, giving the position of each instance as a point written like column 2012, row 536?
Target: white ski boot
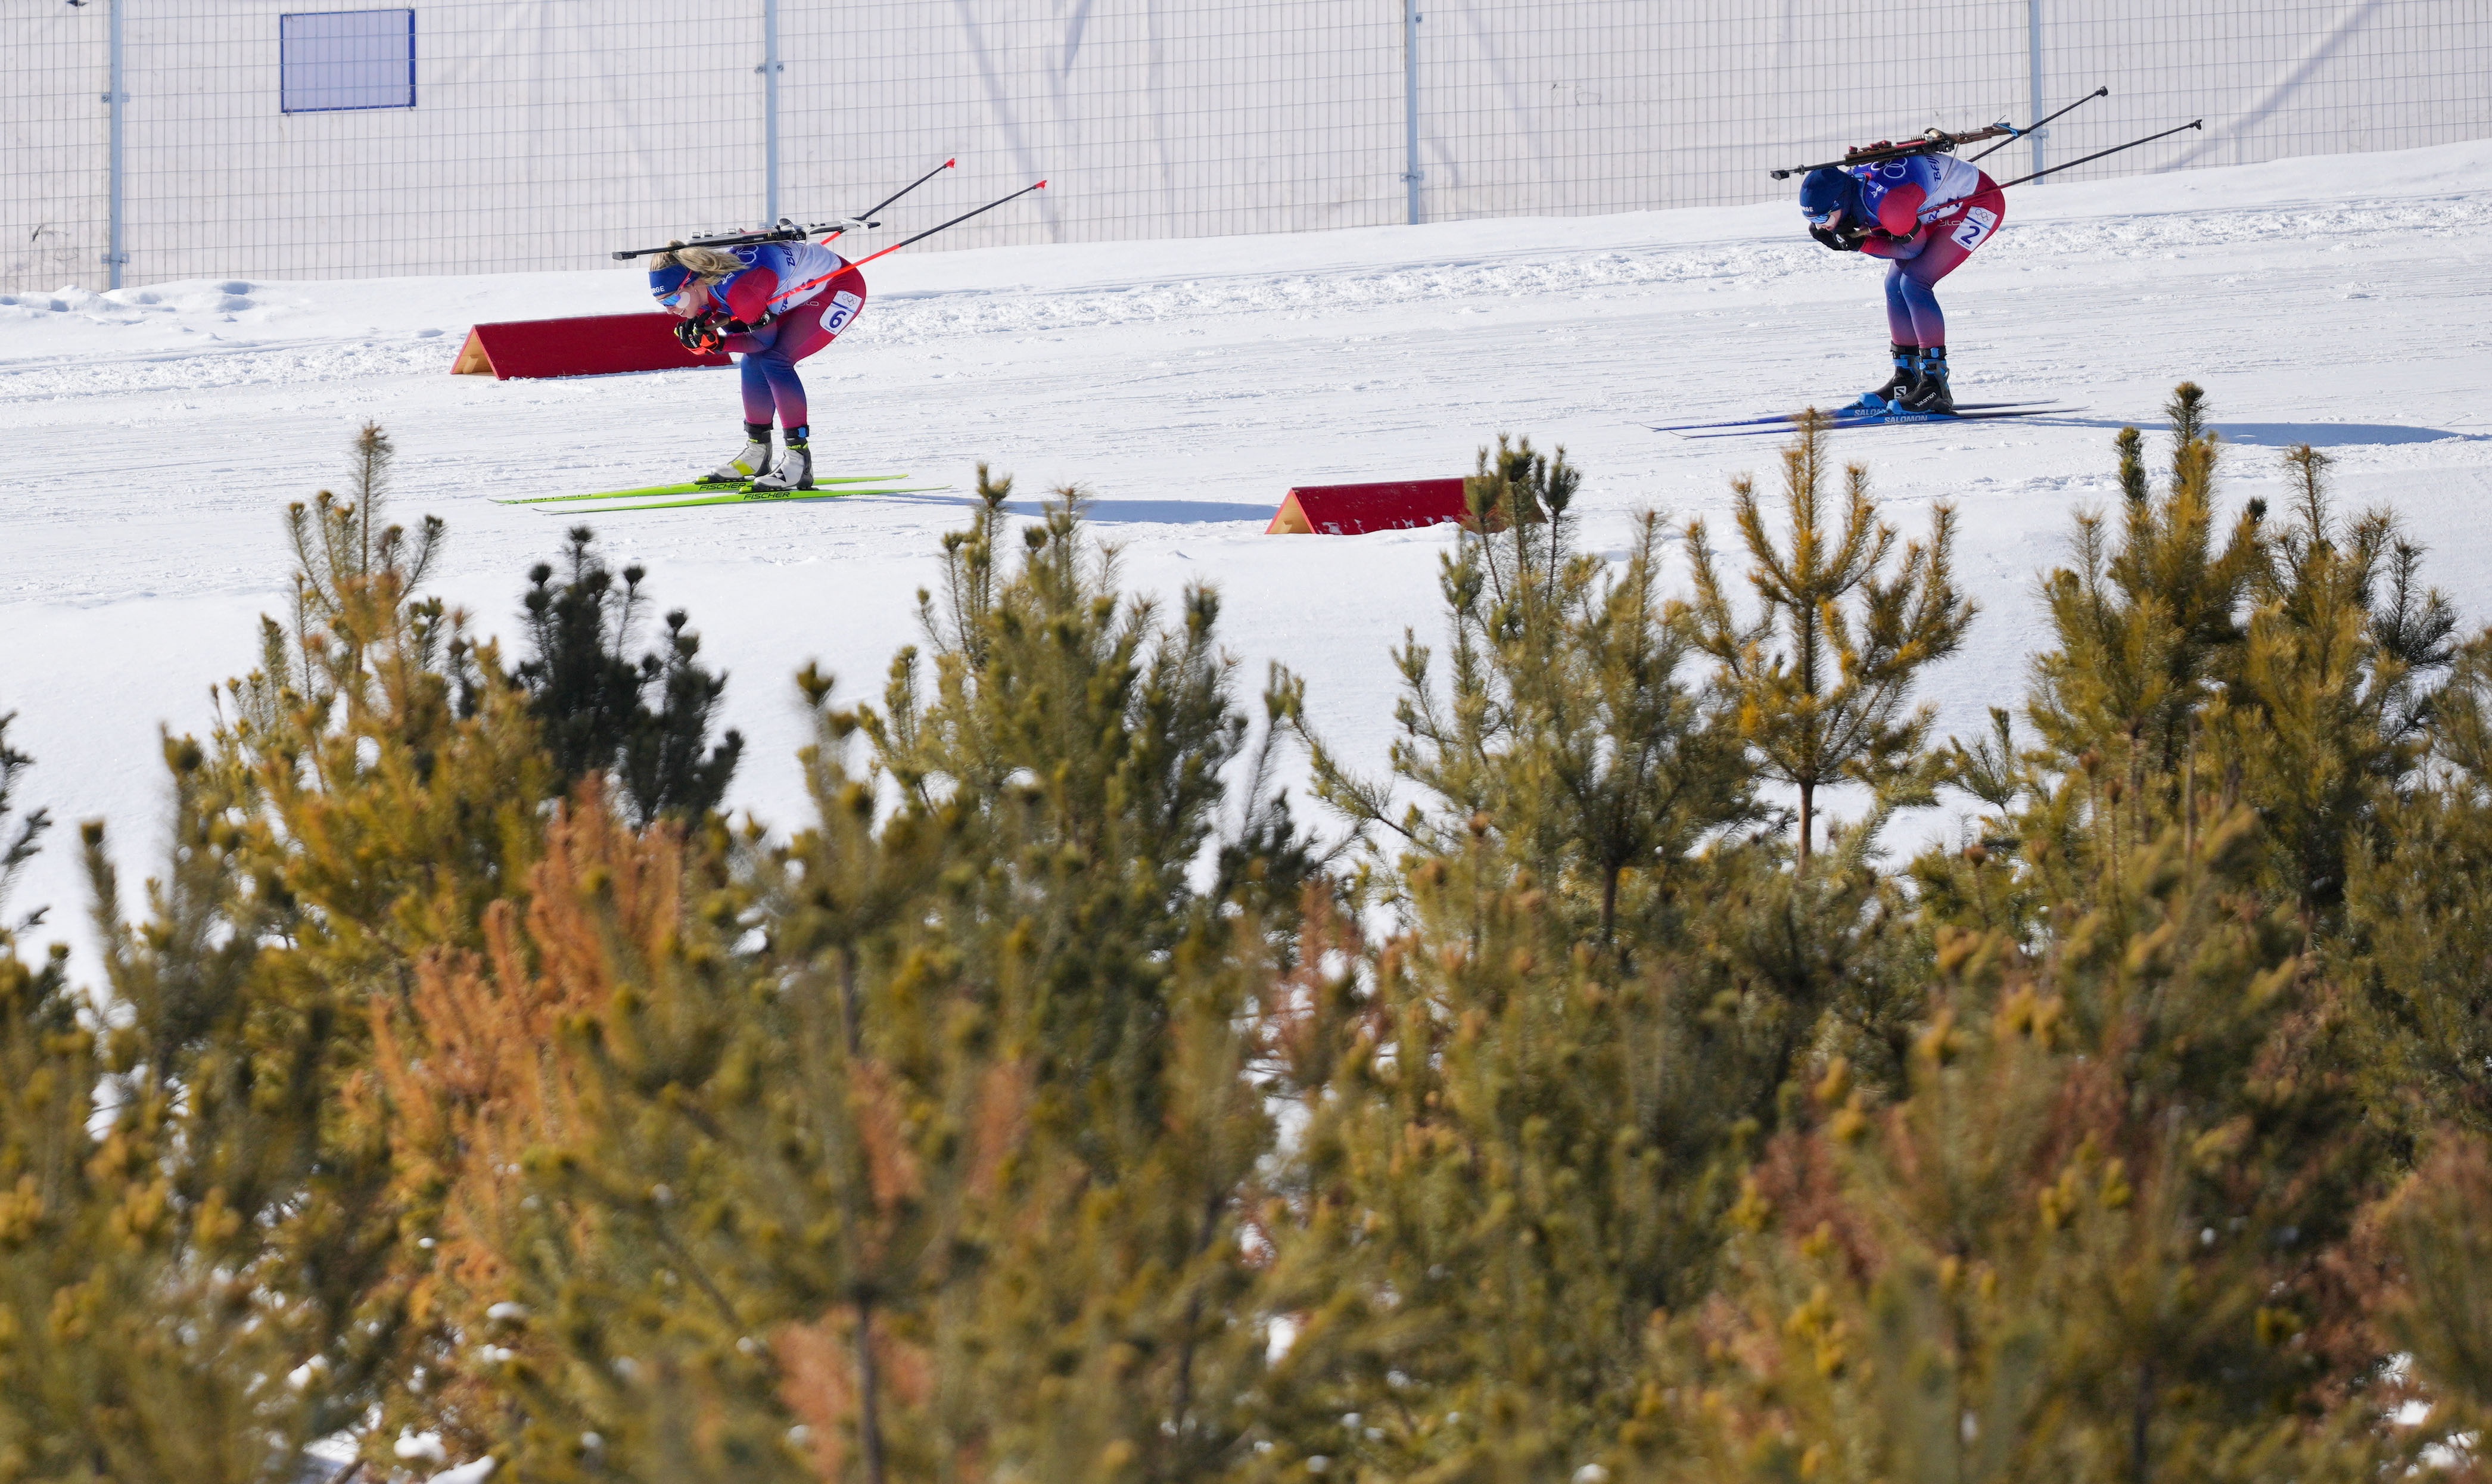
column 748, row 464
column 795, row 471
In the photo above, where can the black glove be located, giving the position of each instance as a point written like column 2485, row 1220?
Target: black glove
column 702, row 333
column 1838, row 241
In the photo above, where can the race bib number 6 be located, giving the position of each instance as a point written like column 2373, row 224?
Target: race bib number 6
column 1976, row 225
column 844, row 308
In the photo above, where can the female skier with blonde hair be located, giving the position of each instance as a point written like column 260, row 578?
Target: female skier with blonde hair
column 773, row 303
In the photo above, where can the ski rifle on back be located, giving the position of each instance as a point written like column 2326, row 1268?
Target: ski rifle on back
column 1934, row 142
column 786, row 231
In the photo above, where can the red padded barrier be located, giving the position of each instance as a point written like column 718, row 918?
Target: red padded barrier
column 1350, row 510
column 595, row 346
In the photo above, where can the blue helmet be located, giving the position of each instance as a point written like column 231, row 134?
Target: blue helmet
column 1829, row 189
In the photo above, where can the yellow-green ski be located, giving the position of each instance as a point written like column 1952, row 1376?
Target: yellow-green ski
column 655, row 491
column 765, row 497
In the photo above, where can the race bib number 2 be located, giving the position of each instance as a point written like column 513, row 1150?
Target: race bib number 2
column 844, row 308
column 1976, row 225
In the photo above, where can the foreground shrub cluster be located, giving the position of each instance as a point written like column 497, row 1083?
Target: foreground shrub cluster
column 1053, row 1105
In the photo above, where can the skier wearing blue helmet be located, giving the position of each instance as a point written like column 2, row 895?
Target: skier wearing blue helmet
column 1826, row 192
column 1924, row 213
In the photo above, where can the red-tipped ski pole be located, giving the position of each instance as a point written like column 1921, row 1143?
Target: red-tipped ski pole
column 2098, row 153
column 920, row 237
column 955, row 222
column 841, row 230
column 2021, row 133
column 912, row 186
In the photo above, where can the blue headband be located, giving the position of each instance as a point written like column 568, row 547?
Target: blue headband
column 666, row 281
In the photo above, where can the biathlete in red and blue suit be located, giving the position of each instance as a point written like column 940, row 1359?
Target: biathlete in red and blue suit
column 1924, row 213
column 773, row 305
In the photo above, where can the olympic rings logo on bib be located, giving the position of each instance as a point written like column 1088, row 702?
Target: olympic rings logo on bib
column 1976, row 225
column 844, row 307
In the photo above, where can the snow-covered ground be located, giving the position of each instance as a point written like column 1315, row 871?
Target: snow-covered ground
column 149, row 439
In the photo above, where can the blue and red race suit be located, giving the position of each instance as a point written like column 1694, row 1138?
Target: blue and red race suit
column 798, row 296
column 1935, row 210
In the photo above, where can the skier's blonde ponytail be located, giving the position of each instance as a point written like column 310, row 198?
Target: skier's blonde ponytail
column 708, row 264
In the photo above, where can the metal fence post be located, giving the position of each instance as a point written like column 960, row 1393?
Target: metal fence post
column 769, row 71
column 1411, row 105
column 115, row 254
column 2033, row 55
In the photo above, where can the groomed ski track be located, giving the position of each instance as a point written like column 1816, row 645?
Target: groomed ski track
column 151, row 446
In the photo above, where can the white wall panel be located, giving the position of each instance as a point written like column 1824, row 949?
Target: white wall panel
column 53, row 163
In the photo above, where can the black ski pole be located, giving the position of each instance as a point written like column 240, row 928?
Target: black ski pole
column 2098, row 153
column 912, row 186
column 840, row 228
column 955, row 222
column 2031, row 127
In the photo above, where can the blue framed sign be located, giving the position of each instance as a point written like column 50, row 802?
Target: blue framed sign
column 339, row 61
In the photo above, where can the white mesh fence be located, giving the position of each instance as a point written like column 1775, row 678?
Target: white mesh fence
column 464, row 135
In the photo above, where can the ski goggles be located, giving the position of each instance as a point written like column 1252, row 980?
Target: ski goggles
column 1818, row 219
column 671, row 301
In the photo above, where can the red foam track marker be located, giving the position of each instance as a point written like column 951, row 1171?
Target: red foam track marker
column 593, row 345
column 1354, row 510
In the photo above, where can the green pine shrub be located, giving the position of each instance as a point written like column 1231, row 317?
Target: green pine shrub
column 1051, row 1106
column 593, row 703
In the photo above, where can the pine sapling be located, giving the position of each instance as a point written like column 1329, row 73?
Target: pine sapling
column 18, row 845
column 1822, row 677
column 595, row 703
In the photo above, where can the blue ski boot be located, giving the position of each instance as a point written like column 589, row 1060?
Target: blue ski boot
column 1891, row 396
column 1929, row 394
